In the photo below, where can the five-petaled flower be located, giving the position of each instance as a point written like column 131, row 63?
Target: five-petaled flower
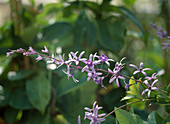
column 105, row 59
column 140, row 70
column 150, row 87
column 73, row 57
column 93, row 115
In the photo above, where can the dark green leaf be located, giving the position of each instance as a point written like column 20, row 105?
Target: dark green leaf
column 111, row 35
column 65, row 86
column 56, row 31
column 10, row 115
column 35, row 117
column 154, row 118
column 132, row 17
column 38, row 91
column 20, row 75
column 19, row 99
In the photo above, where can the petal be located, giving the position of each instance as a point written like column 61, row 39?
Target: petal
column 85, row 68
column 117, row 82
column 146, row 82
column 135, row 72
column 154, row 82
column 110, row 70
column 107, row 63
column 134, row 66
column 112, row 79
column 144, row 73
column 154, row 88
column 146, row 69
column 79, row 120
column 145, row 91
column 149, row 92
column 81, row 54
column 111, row 60
column 141, row 65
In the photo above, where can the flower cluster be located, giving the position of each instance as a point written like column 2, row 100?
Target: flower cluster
column 163, row 35
column 93, row 66
column 93, row 115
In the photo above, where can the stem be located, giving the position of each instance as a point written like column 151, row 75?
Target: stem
column 122, row 107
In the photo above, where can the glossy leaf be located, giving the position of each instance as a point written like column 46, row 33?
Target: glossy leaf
column 125, row 117
column 38, row 91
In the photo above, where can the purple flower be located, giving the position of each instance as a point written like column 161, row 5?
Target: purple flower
column 99, row 80
column 39, row 58
column 167, row 45
column 116, row 72
column 150, row 88
column 152, row 78
column 70, row 74
column 53, row 60
column 61, row 62
column 139, row 70
column 91, row 62
column 116, row 75
column 105, row 59
column 92, row 74
column 79, row 120
column 92, row 114
column 73, row 57
column 127, row 85
column 45, row 50
column 9, row 53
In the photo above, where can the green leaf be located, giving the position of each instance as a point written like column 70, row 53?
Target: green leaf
column 65, row 86
column 125, row 117
column 20, row 75
column 19, row 99
column 73, row 103
column 154, row 118
column 134, row 88
column 132, row 17
column 111, row 34
column 128, row 97
column 56, row 31
column 167, row 108
column 38, row 91
column 29, row 34
column 10, row 115
column 35, row 117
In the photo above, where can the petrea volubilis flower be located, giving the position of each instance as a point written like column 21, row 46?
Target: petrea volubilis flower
column 166, row 46
column 92, row 74
column 105, row 59
column 91, row 62
column 139, row 70
column 162, row 34
column 99, row 80
column 152, row 78
column 45, row 50
column 92, row 114
column 116, row 72
column 70, row 74
column 76, row 59
column 150, row 87
column 39, row 58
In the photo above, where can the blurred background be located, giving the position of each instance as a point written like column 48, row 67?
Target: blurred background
column 32, row 93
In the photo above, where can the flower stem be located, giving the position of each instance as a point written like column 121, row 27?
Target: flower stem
column 122, row 107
